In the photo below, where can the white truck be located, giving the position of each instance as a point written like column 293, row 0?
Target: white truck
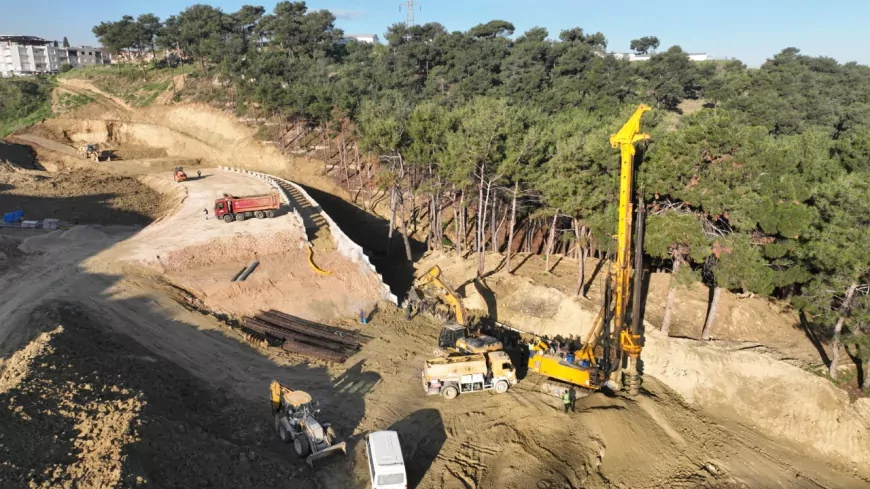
column 386, row 464
column 452, row 376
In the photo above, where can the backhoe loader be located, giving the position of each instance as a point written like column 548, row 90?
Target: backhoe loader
column 295, row 422
column 455, row 337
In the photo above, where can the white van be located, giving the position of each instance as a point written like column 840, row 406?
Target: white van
column 386, row 465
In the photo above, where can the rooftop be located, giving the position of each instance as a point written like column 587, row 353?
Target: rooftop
column 24, row 39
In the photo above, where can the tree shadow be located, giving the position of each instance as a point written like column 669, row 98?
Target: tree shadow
column 370, row 231
column 595, row 271
column 813, row 334
column 19, row 155
column 521, row 263
column 421, row 435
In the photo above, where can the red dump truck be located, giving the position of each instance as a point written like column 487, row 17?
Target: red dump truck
column 231, row 208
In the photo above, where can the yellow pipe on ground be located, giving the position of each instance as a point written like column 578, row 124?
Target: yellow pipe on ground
column 311, row 262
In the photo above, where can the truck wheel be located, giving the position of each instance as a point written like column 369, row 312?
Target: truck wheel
column 282, row 431
column 260, row 215
column 501, row 387
column 229, row 218
column 240, row 217
column 300, row 444
column 270, row 214
column 450, row 392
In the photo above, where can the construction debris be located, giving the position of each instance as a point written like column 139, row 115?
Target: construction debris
column 305, row 337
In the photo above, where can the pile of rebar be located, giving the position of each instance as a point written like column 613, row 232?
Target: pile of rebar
column 306, row 337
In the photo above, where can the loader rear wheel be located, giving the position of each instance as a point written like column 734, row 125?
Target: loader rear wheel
column 270, row 214
column 229, row 218
column 260, row 215
column 450, row 392
column 282, row 431
column 501, row 387
column 240, row 216
column 300, row 444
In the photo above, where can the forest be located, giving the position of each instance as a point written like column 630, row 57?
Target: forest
column 755, row 179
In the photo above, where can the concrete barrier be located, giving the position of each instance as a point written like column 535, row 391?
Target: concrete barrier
column 346, row 246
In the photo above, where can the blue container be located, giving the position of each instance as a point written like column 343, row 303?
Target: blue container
column 13, row 217
column 570, row 357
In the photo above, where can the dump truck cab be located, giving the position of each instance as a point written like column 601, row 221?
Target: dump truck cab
column 452, row 376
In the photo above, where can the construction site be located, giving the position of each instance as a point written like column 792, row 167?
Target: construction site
column 185, row 266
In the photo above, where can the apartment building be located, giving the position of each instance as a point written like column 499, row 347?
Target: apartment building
column 85, row 56
column 30, row 55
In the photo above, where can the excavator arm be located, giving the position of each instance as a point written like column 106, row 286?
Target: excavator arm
column 433, row 276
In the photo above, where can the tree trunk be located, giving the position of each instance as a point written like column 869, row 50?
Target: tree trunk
column 481, row 254
column 551, row 240
column 838, row 329
column 463, row 225
column 492, row 226
column 672, row 294
column 581, row 258
column 711, row 317
column 510, row 246
column 456, row 227
column 405, row 230
column 392, row 219
column 480, row 224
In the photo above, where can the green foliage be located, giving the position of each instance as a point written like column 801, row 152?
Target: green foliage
column 645, row 44
column 672, row 234
column 71, row 101
column 65, row 67
column 762, row 188
column 23, row 101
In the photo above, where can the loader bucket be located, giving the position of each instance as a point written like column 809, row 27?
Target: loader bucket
column 325, row 453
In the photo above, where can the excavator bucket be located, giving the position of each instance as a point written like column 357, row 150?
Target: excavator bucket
column 325, row 453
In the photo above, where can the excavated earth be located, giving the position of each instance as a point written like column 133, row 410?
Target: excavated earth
column 111, row 377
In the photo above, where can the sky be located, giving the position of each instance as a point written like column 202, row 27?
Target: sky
column 749, row 30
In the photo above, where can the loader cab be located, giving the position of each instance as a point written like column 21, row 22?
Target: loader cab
column 450, row 334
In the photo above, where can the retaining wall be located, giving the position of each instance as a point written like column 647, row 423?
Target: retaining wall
column 346, row 246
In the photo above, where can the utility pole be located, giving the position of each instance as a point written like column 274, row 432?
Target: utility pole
column 409, row 12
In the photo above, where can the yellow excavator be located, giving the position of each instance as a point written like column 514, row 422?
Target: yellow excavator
column 620, row 346
column 455, row 336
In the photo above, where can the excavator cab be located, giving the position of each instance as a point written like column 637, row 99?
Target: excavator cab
column 450, row 334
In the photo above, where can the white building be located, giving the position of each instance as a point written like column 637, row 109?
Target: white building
column 28, row 55
column 646, row 57
column 366, row 38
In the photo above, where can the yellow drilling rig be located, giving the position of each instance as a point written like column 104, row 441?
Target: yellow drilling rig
column 612, row 348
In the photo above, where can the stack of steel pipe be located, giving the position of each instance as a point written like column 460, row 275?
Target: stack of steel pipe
column 306, row 337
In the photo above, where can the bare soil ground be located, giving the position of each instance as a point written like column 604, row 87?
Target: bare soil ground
column 80, row 195
column 117, row 381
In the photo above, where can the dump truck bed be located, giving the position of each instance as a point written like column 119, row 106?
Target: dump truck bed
column 252, row 203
